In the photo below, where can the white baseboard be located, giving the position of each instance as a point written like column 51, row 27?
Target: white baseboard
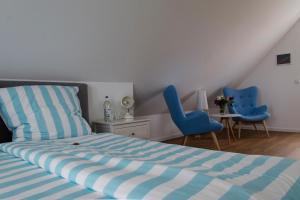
column 272, row 128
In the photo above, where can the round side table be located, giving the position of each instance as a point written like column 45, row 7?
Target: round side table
column 225, row 119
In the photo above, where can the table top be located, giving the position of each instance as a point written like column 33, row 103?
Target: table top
column 225, row 115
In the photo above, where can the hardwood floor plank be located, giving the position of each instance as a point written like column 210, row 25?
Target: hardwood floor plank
column 252, row 142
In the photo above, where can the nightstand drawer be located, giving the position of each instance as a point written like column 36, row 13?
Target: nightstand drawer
column 139, row 128
column 131, row 125
column 140, row 131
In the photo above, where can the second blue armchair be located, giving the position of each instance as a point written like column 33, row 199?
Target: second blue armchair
column 194, row 123
column 245, row 104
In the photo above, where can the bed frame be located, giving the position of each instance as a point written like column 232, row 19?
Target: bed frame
column 6, row 135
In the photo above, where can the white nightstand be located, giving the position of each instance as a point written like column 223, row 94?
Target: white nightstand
column 139, row 128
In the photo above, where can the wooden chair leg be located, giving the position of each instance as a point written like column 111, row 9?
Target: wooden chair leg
column 234, row 125
column 231, row 131
column 221, row 120
column 255, row 127
column 266, row 129
column 185, row 140
column 227, row 130
column 215, row 140
column 240, row 128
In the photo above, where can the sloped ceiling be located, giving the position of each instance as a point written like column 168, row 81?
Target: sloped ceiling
column 189, row 43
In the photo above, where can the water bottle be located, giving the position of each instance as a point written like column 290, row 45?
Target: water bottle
column 107, row 106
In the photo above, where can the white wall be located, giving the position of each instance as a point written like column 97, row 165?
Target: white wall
column 152, row 43
column 162, row 127
column 277, row 83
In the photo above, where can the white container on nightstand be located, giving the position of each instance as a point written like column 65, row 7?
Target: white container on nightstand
column 139, row 128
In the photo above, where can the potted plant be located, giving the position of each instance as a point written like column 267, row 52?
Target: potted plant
column 222, row 102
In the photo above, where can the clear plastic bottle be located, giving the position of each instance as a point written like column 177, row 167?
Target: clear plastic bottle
column 107, row 106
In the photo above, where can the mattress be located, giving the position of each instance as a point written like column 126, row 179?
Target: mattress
column 113, row 166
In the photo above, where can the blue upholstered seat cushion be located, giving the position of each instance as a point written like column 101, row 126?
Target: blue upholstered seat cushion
column 215, row 125
column 254, row 117
column 42, row 112
column 198, row 122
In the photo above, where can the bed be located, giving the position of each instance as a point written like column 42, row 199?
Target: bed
column 110, row 166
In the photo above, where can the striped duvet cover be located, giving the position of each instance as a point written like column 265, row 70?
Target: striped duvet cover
column 129, row 168
column 21, row 180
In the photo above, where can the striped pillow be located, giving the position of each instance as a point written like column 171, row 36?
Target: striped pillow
column 42, row 112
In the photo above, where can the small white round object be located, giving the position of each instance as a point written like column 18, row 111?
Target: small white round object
column 127, row 102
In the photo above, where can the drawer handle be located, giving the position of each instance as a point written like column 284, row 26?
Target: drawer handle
column 132, row 134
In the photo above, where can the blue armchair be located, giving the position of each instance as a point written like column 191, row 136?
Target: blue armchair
column 194, row 123
column 245, row 104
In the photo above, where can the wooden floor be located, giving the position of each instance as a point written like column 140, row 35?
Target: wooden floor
column 278, row 144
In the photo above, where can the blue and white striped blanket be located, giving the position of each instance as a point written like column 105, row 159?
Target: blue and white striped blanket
column 129, row 168
column 21, row 180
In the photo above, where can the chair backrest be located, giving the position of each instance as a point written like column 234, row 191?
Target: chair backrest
column 174, row 105
column 244, row 99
